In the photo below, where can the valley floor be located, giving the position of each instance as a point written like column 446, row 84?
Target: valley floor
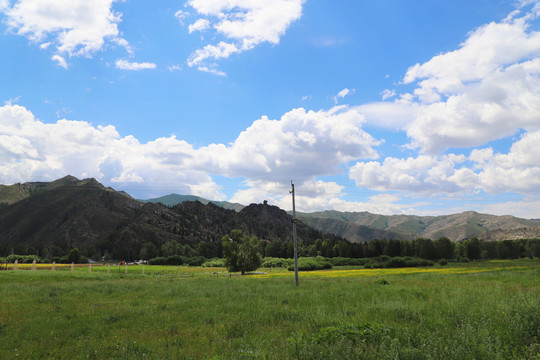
column 480, row 310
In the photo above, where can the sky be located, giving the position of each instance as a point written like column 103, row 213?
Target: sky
column 419, row 107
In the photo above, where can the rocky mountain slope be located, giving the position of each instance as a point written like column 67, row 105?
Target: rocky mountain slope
column 352, row 225
column 101, row 221
column 365, row 226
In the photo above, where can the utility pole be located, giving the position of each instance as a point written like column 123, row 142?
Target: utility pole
column 294, row 221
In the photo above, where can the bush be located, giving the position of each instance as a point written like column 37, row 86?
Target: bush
column 195, row 261
column 158, row 261
column 443, row 262
column 341, row 261
column 216, row 262
column 22, row 259
column 175, row 260
column 398, row 262
column 310, row 264
column 272, row 262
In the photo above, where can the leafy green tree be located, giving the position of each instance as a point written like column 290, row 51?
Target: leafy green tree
column 241, row 252
column 392, row 248
column 471, row 248
column 445, row 248
column 74, row 256
column 148, row 251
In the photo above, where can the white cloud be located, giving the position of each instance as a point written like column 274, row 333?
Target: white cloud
column 222, row 50
column 75, row 27
column 342, row 94
column 181, row 16
column 302, row 144
column 387, row 94
column 392, row 115
column 31, row 149
column 174, row 68
column 211, row 71
column 517, row 171
column 60, row 61
column 244, row 24
column 316, row 195
column 199, row 25
column 526, row 208
column 12, row 101
column 487, row 89
column 126, row 65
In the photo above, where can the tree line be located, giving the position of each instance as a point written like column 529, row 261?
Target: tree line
column 441, row 248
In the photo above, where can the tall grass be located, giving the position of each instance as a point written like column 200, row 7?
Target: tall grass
column 491, row 314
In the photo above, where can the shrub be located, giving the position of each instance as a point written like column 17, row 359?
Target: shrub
column 310, row 264
column 157, row 261
column 443, row 262
column 216, row 262
column 22, row 259
column 272, row 262
column 195, row 261
column 175, row 260
column 396, row 262
column 341, row 261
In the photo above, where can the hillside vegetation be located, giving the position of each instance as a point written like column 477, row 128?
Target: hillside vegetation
column 53, row 218
column 103, row 222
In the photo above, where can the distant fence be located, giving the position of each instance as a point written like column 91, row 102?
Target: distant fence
column 54, row 266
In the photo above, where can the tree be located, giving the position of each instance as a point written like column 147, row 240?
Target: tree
column 148, row 251
column 74, row 256
column 241, row 252
column 445, row 248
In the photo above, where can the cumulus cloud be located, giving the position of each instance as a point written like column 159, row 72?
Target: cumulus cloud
column 342, row 94
column 483, row 170
column 303, row 144
column 487, row 89
column 60, row 61
column 75, row 27
column 31, row 149
column 134, row 66
column 387, row 94
column 244, row 25
column 199, row 25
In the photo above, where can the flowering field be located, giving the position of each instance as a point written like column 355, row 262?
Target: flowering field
column 484, row 310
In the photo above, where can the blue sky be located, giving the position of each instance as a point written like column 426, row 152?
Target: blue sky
column 394, row 107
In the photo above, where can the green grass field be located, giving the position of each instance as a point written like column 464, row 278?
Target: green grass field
column 481, row 310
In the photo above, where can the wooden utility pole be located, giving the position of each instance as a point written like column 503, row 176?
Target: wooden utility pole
column 294, row 221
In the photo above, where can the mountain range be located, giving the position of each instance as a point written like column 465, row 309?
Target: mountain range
column 52, row 217
column 365, row 226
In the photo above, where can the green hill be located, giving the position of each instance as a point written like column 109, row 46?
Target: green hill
column 103, row 222
column 175, row 199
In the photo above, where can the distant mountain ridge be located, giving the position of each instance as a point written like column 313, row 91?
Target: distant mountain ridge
column 175, row 199
column 352, row 225
column 70, row 212
column 365, row 226
column 103, row 222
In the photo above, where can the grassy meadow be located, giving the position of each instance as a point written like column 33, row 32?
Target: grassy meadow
column 479, row 310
